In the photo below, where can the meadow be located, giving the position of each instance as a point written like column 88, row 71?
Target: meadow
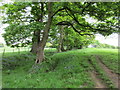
column 71, row 69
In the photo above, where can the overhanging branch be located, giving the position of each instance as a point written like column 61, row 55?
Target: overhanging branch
column 70, row 24
column 58, row 11
column 75, row 19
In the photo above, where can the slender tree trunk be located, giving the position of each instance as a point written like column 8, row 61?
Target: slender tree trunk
column 34, row 43
column 60, row 45
column 42, row 43
column 35, row 40
column 34, row 48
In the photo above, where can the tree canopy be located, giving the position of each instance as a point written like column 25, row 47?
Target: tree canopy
column 31, row 22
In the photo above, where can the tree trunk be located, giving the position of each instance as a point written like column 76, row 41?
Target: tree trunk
column 42, row 43
column 34, row 48
column 35, row 41
column 40, row 55
column 69, row 47
column 60, row 45
column 36, row 34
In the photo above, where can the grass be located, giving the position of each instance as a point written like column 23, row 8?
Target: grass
column 59, row 70
column 9, row 49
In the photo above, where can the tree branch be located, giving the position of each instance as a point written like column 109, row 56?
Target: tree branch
column 75, row 19
column 79, row 6
column 58, row 11
column 70, row 24
column 88, row 4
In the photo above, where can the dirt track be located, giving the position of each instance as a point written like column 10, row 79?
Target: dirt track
column 113, row 76
column 98, row 81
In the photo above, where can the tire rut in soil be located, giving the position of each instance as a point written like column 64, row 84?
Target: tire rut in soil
column 113, row 76
column 98, row 81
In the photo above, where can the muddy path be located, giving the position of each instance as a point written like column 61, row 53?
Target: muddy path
column 113, row 76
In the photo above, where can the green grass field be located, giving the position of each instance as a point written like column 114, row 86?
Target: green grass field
column 59, row 70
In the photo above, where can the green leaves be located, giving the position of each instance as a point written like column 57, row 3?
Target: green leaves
column 28, row 14
column 36, row 26
column 17, row 35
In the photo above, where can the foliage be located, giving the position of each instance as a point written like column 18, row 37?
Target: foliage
column 74, row 40
column 71, row 39
column 71, row 14
column 20, row 31
column 17, row 35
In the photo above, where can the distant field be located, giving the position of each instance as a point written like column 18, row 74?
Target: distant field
column 85, row 68
column 9, row 49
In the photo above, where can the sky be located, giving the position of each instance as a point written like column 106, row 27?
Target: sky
column 1, row 32
column 111, row 39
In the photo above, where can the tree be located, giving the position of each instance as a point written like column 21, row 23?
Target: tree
column 16, row 16
column 13, row 35
column 47, row 14
column 72, row 40
column 42, row 43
